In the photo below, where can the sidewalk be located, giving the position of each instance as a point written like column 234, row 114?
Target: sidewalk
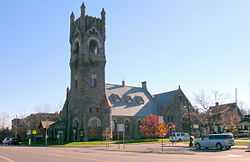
column 178, row 148
column 149, row 148
column 240, row 147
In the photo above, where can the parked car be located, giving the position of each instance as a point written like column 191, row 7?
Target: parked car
column 243, row 133
column 179, row 136
column 215, row 141
column 10, row 141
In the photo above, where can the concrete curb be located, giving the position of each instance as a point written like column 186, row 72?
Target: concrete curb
column 151, row 151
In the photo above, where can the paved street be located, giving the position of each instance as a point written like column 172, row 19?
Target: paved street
column 42, row 154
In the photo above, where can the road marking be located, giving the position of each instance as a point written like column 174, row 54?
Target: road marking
column 81, row 158
column 235, row 156
column 7, row 159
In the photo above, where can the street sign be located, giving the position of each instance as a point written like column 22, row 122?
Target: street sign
column 162, row 129
column 161, row 120
column 34, row 132
column 120, row 128
column 28, row 132
column 195, row 126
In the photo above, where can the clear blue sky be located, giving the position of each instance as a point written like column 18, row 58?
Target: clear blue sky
column 195, row 44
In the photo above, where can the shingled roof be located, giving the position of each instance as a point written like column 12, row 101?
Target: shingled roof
column 166, row 97
column 124, row 108
column 219, row 109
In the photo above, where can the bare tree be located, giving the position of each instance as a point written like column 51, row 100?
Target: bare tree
column 242, row 108
column 218, row 96
column 202, row 100
column 4, row 120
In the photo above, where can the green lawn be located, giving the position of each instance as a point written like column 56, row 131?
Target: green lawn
column 87, row 143
column 103, row 143
column 140, row 141
column 238, row 142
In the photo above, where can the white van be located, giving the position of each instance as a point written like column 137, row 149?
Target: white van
column 179, row 136
column 218, row 141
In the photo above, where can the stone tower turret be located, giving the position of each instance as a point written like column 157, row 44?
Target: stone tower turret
column 89, row 113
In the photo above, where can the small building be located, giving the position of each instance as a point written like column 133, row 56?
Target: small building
column 245, row 123
column 92, row 106
column 20, row 126
column 224, row 118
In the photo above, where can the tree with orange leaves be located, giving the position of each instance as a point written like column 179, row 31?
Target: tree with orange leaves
column 152, row 127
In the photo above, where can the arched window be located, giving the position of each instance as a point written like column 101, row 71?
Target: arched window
column 93, row 81
column 93, row 47
column 94, row 122
column 75, row 123
column 138, row 124
column 76, row 83
column 128, row 99
column 115, row 98
column 75, row 54
column 76, row 48
column 139, row 100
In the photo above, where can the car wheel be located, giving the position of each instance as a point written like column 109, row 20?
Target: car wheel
column 197, row 146
column 219, row 146
column 228, row 147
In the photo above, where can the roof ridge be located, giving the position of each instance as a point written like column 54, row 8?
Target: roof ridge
column 121, row 85
column 165, row 92
column 231, row 103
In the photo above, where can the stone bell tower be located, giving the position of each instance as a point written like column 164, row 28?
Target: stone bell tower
column 88, row 109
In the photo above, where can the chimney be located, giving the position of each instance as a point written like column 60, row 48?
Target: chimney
column 123, row 83
column 216, row 103
column 144, row 85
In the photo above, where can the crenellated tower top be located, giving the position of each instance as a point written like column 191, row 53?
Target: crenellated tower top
column 85, row 22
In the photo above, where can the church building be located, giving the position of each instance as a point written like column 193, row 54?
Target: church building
column 93, row 106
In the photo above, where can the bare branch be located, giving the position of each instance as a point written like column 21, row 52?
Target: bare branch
column 202, row 100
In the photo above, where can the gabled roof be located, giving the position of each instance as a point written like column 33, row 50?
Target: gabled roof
column 218, row 109
column 123, row 108
column 46, row 124
column 225, row 108
column 165, row 98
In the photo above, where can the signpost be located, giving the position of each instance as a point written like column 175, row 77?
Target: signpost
column 29, row 134
column 121, row 128
column 162, row 132
column 107, row 134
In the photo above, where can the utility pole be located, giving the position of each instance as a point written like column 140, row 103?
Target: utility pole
column 236, row 96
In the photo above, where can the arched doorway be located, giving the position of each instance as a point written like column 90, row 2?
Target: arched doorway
column 94, row 128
